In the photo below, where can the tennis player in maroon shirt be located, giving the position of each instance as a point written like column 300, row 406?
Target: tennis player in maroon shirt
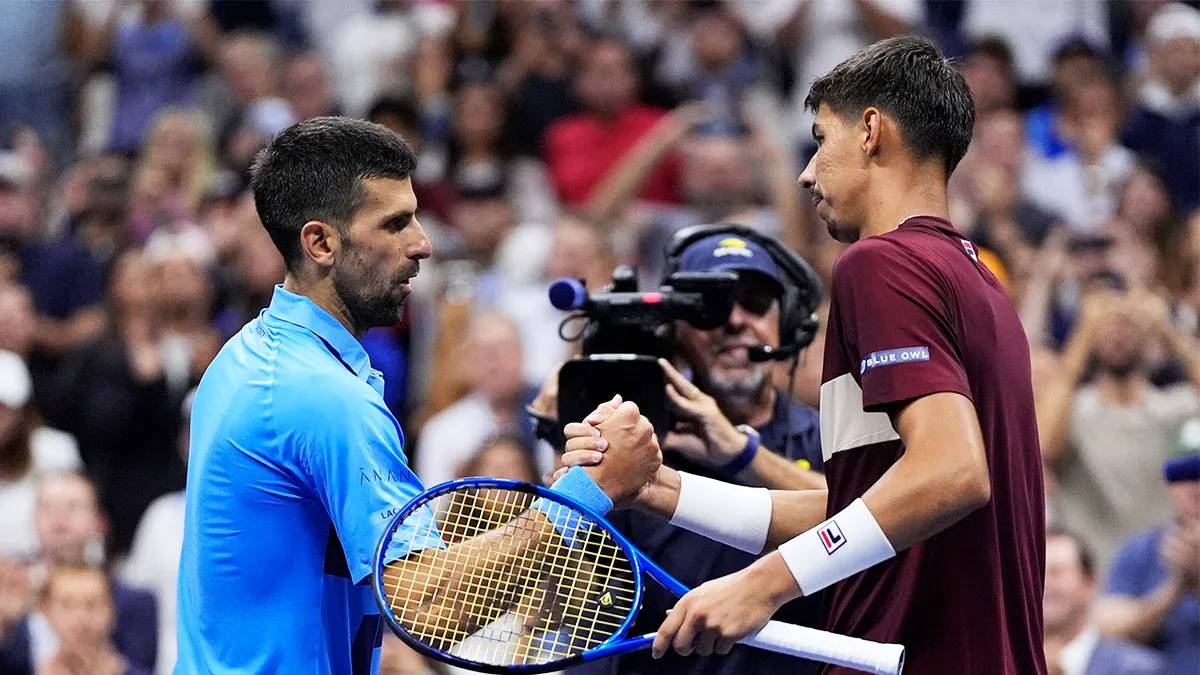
column 932, row 531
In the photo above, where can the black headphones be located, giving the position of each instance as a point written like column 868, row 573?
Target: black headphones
column 802, row 289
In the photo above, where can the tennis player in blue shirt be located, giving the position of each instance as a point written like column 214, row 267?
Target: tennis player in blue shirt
column 296, row 463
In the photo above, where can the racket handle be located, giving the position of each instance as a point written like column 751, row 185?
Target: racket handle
column 818, row 645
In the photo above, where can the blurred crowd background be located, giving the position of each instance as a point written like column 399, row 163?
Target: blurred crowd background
column 560, row 138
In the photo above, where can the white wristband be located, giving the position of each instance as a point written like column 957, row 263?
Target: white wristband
column 840, row 547
column 734, row 515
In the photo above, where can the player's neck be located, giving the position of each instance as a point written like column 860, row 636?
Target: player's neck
column 323, row 296
column 916, row 191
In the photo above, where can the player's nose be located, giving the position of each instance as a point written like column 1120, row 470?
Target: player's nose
column 808, row 177
column 422, row 248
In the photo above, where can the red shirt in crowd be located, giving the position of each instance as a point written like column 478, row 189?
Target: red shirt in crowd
column 582, row 149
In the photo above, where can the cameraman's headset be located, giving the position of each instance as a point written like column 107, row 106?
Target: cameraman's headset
column 802, row 288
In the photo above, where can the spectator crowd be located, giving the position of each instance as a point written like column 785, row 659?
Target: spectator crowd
column 562, row 138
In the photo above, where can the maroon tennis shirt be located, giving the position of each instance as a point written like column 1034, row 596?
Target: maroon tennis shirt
column 915, row 313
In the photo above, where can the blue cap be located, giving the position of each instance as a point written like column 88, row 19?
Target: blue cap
column 729, row 253
column 1184, row 463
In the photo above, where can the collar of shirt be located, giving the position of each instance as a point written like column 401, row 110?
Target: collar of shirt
column 300, row 311
column 1077, row 652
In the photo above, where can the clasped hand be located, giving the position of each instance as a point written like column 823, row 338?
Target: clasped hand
column 715, row 616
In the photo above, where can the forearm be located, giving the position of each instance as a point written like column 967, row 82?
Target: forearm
column 776, row 472
column 1139, row 619
column 785, row 199
column 59, row 336
column 625, row 179
column 912, row 503
column 1056, row 399
column 427, row 580
column 794, row 512
column 1035, row 308
column 1185, row 349
column 731, row 509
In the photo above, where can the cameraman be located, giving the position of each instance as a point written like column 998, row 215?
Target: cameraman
column 735, row 422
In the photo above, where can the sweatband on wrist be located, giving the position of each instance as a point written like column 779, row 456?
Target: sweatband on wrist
column 579, row 486
column 734, row 515
column 840, row 547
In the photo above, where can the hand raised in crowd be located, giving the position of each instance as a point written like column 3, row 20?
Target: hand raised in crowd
column 1181, row 552
column 546, row 401
column 1095, row 309
column 1052, row 262
column 703, row 432
column 1153, row 309
column 688, row 116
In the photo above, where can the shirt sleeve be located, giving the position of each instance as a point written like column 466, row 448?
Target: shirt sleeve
column 355, row 460
column 896, row 324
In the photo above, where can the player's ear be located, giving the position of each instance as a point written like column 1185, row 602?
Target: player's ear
column 320, row 242
column 871, row 129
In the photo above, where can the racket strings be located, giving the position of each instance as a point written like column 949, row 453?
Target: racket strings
column 503, row 592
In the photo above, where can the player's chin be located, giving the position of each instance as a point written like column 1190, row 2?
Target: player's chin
column 839, row 232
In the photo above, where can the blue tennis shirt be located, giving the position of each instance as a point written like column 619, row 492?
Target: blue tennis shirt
column 296, row 467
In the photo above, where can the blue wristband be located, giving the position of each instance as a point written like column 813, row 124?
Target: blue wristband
column 579, row 486
column 744, row 459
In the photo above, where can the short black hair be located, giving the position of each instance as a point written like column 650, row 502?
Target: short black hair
column 403, row 108
column 1087, row 561
column 908, row 78
column 314, row 171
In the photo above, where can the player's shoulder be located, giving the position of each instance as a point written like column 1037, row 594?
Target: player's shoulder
column 300, row 381
column 882, row 257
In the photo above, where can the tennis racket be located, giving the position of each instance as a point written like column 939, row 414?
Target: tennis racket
column 509, row 577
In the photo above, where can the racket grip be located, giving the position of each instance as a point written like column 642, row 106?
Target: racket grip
column 842, row 650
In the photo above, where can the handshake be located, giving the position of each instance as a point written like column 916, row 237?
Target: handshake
column 619, row 450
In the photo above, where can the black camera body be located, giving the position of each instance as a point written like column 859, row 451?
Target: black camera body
column 627, row 331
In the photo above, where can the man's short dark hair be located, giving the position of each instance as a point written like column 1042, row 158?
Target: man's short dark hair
column 1087, row 561
column 908, row 78
column 314, row 171
column 403, row 108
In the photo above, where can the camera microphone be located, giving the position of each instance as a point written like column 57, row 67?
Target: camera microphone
column 704, row 304
column 568, row 294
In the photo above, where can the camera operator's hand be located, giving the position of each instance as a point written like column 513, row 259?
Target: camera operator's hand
column 704, row 433
column 546, row 401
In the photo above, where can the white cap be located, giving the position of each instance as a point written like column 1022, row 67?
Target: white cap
column 15, row 383
column 188, row 242
column 1175, row 20
column 14, row 170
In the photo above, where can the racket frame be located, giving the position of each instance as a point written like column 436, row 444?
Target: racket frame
column 615, row 644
